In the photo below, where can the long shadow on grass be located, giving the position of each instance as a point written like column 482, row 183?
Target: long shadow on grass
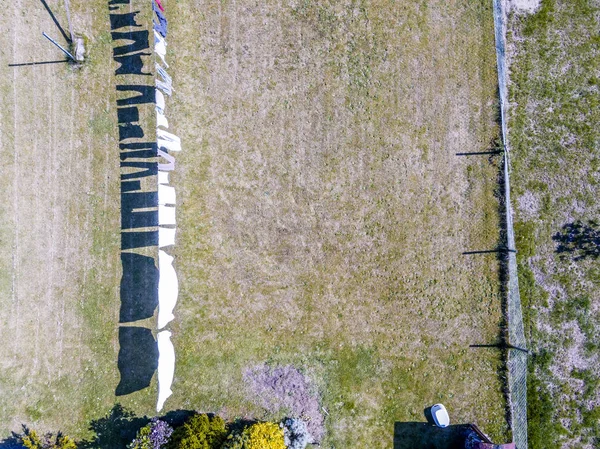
column 138, row 359
column 119, row 426
column 11, row 442
column 115, row 430
column 420, row 435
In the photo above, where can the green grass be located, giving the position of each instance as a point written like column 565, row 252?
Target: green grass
column 554, row 135
column 324, row 211
column 322, row 215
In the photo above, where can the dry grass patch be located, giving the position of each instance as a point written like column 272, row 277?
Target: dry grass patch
column 323, row 211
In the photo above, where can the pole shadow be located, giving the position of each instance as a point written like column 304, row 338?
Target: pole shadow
column 420, row 435
column 62, row 31
column 489, row 251
column 23, row 64
column 480, row 153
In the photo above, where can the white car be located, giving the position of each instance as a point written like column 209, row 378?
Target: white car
column 440, row 415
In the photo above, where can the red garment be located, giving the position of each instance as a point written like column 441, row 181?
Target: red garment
column 159, row 5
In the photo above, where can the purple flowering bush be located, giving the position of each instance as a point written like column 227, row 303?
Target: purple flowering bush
column 155, row 435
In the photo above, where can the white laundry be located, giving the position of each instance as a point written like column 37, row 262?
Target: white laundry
column 166, row 237
column 163, row 74
column 167, row 88
column 168, row 144
column 168, row 289
column 161, row 120
column 166, row 135
column 166, row 194
column 168, row 140
column 163, row 177
column 166, row 367
column 160, row 101
column 166, row 215
column 160, row 47
column 170, row 165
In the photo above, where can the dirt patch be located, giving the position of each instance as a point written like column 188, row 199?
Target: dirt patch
column 527, row 6
column 529, row 205
column 286, row 389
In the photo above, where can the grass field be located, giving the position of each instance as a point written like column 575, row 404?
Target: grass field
column 555, row 139
column 322, row 213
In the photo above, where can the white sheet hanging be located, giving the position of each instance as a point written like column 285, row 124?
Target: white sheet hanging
column 163, row 177
column 168, row 289
column 166, row 215
column 166, row 135
column 166, row 194
column 167, row 88
column 160, row 101
column 168, row 144
column 161, row 120
column 163, row 74
column 166, row 367
column 168, row 140
column 160, row 47
column 166, row 237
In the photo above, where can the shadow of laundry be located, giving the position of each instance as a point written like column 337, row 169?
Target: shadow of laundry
column 139, row 287
column 138, row 359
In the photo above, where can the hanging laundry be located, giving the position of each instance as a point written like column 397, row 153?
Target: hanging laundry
column 160, row 5
column 163, row 177
column 166, row 215
column 166, row 367
column 168, row 289
column 166, row 135
column 166, row 237
column 166, row 84
column 160, row 101
column 163, row 74
column 161, row 120
column 166, row 194
column 165, row 87
column 168, row 140
column 169, row 145
column 160, row 47
column 161, row 25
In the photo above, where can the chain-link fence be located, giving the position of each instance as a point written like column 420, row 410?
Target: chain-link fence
column 517, row 359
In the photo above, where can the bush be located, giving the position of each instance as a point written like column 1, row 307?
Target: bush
column 31, row 440
column 199, row 432
column 155, row 435
column 265, row 435
column 295, row 433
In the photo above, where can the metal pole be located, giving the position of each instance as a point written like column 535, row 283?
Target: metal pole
column 59, row 46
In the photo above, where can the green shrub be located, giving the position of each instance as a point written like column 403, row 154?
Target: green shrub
column 31, row 440
column 199, row 432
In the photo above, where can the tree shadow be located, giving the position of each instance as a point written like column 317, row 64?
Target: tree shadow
column 12, row 442
column 115, row 430
column 579, row 240
column 420, row 435
column 176, row 418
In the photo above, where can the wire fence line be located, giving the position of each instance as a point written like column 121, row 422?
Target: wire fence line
column 517, row 360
